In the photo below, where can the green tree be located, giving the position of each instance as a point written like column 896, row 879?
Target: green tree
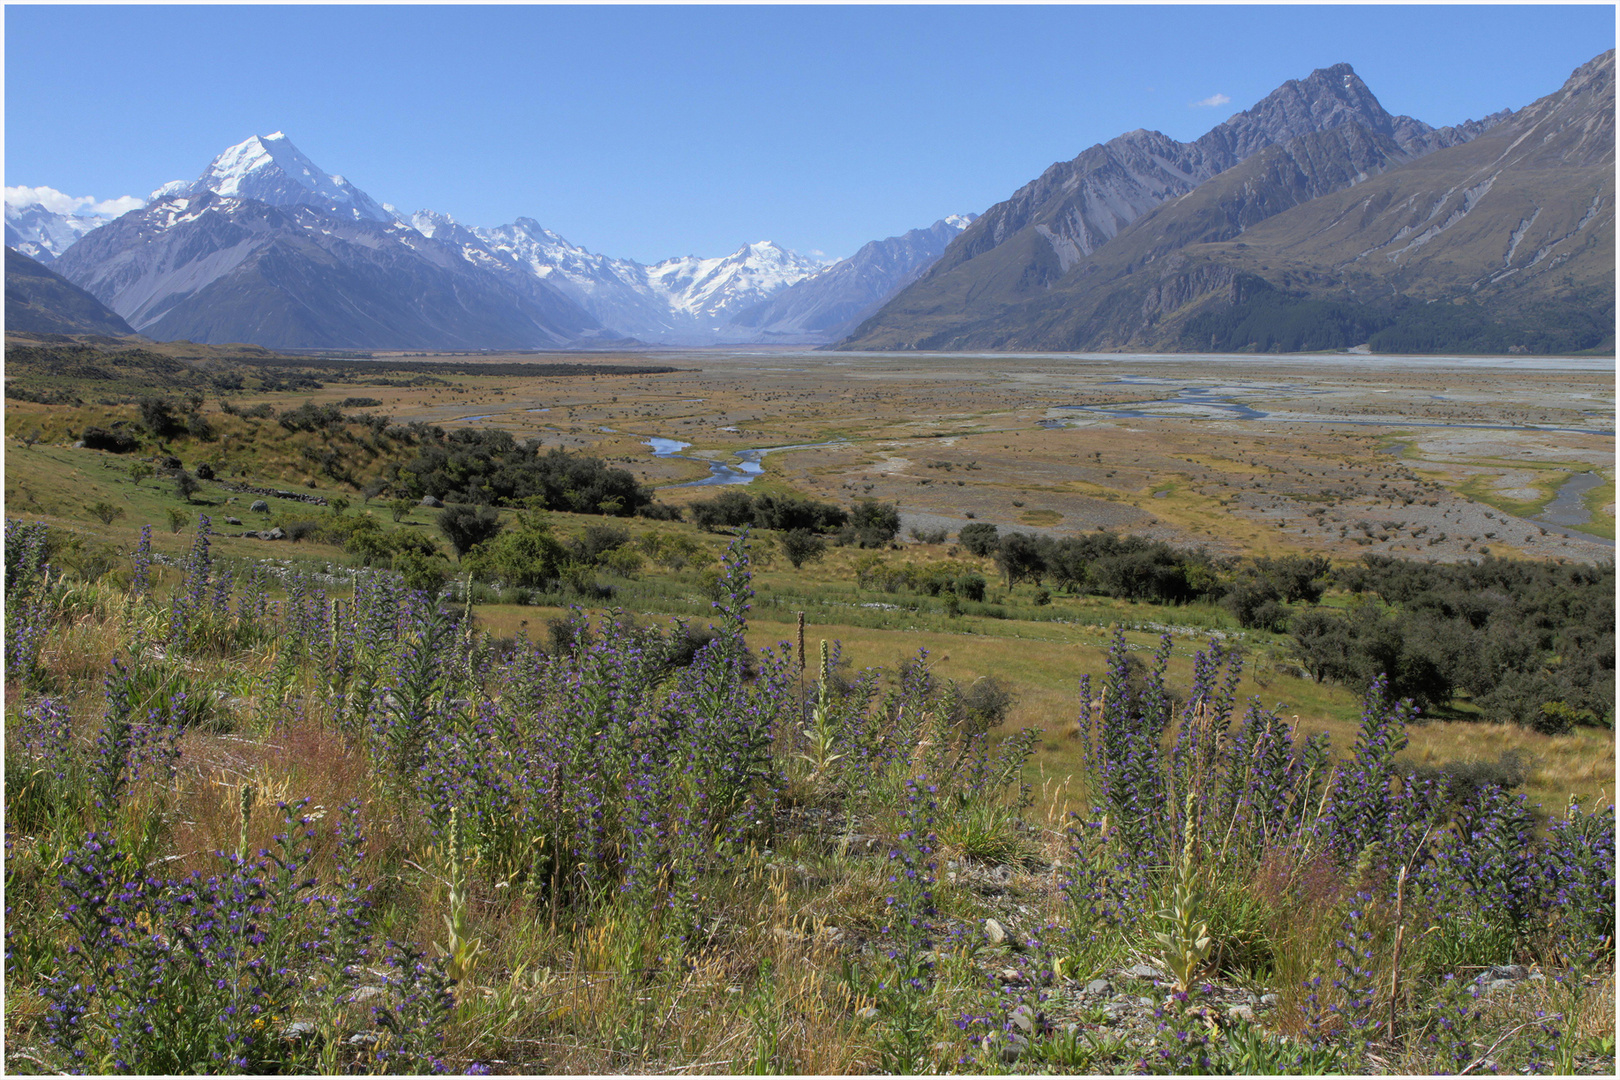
column 526, row 556
column 107, row 512
column 802, row 546
column 185, row 485
column 979, row 538
column 875, row 523
column 467, row 526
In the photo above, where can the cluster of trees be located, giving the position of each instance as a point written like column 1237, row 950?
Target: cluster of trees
column 868, row 524
column 926, row 579
column 1102, row 563
column 491, row 468
column 167, row 418
column 527, row 555
column 1531, row 643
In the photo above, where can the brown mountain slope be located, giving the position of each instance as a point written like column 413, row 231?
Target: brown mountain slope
column 1331, row 240
column 1022, row 246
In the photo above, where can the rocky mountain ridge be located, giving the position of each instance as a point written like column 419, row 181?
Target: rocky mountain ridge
column 262, row 205
column 1076, row 207
column 1333, row 167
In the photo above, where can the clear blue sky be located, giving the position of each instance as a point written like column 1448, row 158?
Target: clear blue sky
column 655, row 131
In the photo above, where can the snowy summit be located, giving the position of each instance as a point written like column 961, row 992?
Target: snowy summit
column 271, row 169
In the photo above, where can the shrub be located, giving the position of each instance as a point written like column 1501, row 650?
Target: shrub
column 661, row 512
column 106, row 512
column 185, row 485
column 115, row 442
column 873, row 523
column 527, row 555
column 468, row 526
column 979, row 539
column 970, row 586
column 160, row 418
column 802, row 546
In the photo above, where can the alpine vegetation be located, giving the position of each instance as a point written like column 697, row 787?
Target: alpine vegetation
column 261, row 820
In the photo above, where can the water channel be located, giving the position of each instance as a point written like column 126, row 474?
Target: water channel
column 746, row 467
column 1569, row 507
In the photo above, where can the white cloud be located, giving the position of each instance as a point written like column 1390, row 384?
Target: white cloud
column 58, row 203
column 1212, row 100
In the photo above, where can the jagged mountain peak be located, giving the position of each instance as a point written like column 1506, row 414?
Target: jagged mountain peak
column 1326, row 98
column 271, row 169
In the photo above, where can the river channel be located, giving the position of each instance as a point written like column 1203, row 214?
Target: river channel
column 746, row 468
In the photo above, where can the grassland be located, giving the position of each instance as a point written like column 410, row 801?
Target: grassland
column 793, row 979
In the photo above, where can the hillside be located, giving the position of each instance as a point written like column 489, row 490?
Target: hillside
column 1338, row 238
column 39, row 301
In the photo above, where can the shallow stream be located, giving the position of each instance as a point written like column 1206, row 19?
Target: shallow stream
column 745, row 469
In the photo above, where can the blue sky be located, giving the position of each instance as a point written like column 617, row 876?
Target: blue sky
column 649, row 132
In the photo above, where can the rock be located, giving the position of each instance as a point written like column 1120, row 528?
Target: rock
column 365, row 993
column 233, row 521
column 1240, row 1012
column 1511, row 972
column 1141, row 971
column 994, row 932
column 1024, row 1018
column 362, row 1039
column 259, row 506
column 1099, row 986
column 271, row 534
column 1269, row 999
column 1013, row 1046
column 1116, row 1008
column 429, row 500
column 1147, row 1002
column 869, row 1012
column 1492, row 986
column 78, row 444
column 298, row 1029
column 1010, row 977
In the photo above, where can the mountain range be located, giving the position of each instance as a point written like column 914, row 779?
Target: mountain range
column 1313, row 220
column 267, row 247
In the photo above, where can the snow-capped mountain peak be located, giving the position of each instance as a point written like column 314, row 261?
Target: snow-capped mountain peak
column 42, row 222
column 271, row 169
column 711, row 290
column 173, row 187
